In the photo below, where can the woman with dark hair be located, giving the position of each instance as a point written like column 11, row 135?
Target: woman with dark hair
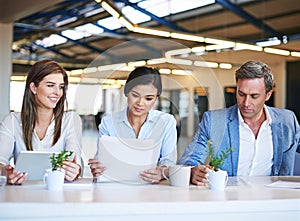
column 140, row 121
column 42, row 125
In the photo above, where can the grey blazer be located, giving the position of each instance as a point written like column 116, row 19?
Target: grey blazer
column 222, row 127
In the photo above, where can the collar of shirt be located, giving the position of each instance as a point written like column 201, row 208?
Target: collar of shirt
column 124, row 117
column 268, row 120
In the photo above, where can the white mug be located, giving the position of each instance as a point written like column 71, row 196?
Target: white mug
column 54, row 180
column 217, row 179
column 179, row 175
column 3, row 178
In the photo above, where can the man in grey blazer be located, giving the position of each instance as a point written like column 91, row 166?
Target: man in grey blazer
column 264, row 139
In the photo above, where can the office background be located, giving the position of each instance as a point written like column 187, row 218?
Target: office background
column 197, row 46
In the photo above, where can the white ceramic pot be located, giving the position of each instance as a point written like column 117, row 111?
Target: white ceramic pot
column 217, row 179
column 54, row 179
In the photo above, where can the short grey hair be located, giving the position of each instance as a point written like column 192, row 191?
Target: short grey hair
column 256, row 69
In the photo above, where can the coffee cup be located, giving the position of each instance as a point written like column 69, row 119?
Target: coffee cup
column 179, row 175
column 54, row 179
column 217, row 179
column 3, row 178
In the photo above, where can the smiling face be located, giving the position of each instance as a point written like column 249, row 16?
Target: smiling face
column 141, row 99
column 49, row 91
column 251, row 97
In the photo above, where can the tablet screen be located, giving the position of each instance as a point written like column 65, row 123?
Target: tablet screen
column 34, row 163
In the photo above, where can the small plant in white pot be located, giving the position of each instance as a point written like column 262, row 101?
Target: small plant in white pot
column 54, row 177
column 217, row 178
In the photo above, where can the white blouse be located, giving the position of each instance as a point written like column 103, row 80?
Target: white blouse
column 11, row 137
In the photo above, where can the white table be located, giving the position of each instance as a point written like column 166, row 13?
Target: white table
column 251, row 200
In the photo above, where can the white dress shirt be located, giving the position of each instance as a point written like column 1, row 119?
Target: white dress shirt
column 11, row 137
column 255, row 155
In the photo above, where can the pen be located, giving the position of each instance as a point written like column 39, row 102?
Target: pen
column 94, row 180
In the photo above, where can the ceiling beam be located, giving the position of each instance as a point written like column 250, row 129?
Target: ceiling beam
column 30, row 23
column 251, row 19
column 154, row 17
column 126, row 37
column 294, row 37
column 52, row 50
column 114, row 33
column 85, row 45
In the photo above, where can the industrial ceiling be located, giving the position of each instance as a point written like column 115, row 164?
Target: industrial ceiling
column 243, row 21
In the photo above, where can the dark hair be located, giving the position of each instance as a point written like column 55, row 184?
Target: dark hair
column 256, row 69
column 29, row 107
column 143, row 75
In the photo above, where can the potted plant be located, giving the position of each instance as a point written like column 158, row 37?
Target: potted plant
column 54, row 177
column 57, row 159
column 217, row 178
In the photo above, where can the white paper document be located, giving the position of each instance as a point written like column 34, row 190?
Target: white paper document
column 285, row 184
column 126, row 158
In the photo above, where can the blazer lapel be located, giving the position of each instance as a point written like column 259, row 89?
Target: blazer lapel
column 278, row 141
column 234, row 140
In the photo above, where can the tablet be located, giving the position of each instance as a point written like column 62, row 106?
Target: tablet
column 288, row 178
column 126, row 158
column 34, row 163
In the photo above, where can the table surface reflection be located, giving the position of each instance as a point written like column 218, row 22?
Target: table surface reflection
column 82, row 200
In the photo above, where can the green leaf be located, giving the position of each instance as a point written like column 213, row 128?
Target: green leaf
column 57, row 159
column 216, row 161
